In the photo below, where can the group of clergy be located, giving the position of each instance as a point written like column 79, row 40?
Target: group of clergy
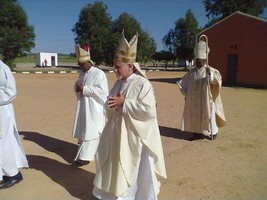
column 118, row 128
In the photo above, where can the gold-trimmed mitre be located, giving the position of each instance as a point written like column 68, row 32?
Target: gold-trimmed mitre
column 126, row 51
column 82, row 54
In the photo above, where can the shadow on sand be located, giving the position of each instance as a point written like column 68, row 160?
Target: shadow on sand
column 65, row 150
column 181, row 135
column 78, row 182
column 165, row 80
column 175, row 133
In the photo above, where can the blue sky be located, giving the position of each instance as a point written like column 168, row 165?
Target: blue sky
column 54, row 19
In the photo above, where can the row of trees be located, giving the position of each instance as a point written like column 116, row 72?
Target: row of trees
column 96, row 27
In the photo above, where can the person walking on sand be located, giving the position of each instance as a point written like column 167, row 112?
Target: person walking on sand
column 203, row 110
column 12, row 155
column 129, row 159
column 91, row 90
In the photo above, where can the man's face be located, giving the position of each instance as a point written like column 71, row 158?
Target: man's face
column 123, row 70
column 200, row 62
column 85, row 66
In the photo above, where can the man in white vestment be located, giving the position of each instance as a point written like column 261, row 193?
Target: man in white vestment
column 12, row 156
column 203, row 110
column 129, row 159
column 91, row 90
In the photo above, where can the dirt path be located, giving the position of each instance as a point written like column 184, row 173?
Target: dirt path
column 233, row 167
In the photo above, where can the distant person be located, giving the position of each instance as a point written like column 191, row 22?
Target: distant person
column 129, row 160
column 45, row 63
column 91, row 89
column 12, row 156
column 203, row 110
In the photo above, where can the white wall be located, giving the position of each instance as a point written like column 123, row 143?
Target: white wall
column 40, row 58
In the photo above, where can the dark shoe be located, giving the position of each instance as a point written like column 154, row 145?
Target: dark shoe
column 197, row 136
column 1, row 183
column 81, row 162
column 213, row 137
column 10, row 181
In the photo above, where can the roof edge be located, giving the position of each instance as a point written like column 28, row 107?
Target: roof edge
column 235, row 13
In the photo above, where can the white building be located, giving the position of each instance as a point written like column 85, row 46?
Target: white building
column 46, row 59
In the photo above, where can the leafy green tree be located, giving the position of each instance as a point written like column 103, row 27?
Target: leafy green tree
column 146, row 44
column 16, row 35
column 123, row 22
column 165, row 56
column 181, row 39
column 127, row 22
column 170, row 41
column 72, row 55
column 93, row 27
column 111, row 48
column 217, row 10
column 147, row 47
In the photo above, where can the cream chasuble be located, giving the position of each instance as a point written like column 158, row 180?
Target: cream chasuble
column 125, row 135
column 202, row 99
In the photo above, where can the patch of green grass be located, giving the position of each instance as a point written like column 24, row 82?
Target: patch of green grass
column 30, row 58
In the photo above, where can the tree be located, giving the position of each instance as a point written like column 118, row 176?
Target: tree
column 93, row 27
column 130, row 26
column 165, row 56
column 170, row 41
column 146, row 44
column 147, row 47
column 181, row 39
column 217, row 10
column 16, row 35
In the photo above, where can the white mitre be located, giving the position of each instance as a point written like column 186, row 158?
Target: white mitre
column 202, row 49
column 126, row 52
column 83, row 55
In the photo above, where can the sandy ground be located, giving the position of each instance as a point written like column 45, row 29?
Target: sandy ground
column 233, row 167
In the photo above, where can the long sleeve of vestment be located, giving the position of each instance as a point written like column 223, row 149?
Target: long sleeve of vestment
column 99, row 90
column 215, row 77
column 183, row 84
column 7, row 87
column 143, row 107
column 215, row 82
column 212, row 77
column 141, row 120
column 215, row 88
